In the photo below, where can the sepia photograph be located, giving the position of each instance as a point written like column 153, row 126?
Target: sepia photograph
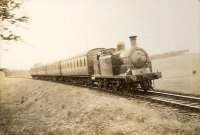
column 99, row 67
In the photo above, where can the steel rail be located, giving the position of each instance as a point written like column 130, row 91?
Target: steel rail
column 189, row 103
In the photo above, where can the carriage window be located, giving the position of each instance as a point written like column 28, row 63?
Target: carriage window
column 80, row 63
column 84, row 62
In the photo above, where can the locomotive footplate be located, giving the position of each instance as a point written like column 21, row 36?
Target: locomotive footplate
column 146, row 76
column 134, row 78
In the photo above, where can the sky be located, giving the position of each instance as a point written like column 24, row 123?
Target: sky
column 62, row 28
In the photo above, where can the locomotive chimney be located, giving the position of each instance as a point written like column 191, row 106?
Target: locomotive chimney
column 133, row 41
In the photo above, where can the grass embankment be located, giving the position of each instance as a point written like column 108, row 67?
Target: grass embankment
column 38, row 107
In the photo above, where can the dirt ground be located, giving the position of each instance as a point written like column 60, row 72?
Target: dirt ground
column 33, row 107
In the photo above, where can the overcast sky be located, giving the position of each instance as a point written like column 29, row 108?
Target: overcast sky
column 62, row 28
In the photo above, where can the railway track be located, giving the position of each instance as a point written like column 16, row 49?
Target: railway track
column 184, row 102
column 189, row 103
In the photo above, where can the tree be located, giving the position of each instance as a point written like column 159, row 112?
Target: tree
column 8, row 18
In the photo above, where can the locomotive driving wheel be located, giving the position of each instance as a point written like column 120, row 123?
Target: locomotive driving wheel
column 146, row 85
column 105, row 84
column 100, row 84
column 115, row 86
column 131, row 88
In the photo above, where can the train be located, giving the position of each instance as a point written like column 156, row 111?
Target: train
column 119, row 69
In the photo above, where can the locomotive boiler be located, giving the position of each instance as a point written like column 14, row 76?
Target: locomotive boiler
column 117, row 69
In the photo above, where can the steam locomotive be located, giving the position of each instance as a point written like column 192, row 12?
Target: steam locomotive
column 114, row 68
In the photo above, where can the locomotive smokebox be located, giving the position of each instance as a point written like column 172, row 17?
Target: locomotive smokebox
column 133, row 40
